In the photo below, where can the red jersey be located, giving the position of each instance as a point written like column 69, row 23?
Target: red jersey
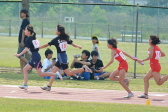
column 119, row 56
column 156, row 55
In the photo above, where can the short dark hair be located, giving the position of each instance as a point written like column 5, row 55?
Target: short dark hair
column 113, row 42
column 94, row 53
column 155, row 39
column 87, row 53
column 25, row 11
column 48, row 51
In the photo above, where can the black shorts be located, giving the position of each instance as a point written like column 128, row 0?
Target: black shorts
column 62, row 61
column 36, row 60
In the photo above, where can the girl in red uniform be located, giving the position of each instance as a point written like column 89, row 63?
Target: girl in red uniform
column 154, row 55
column 123, row 66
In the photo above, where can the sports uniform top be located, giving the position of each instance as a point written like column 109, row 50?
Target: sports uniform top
column 33, row 44
column 156, row 55
column 60, row 45
column 119, row 56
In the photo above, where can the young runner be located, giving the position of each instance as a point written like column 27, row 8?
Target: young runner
column 154, row 55
column 60, row 42
column 32, row 43
column 123, row 66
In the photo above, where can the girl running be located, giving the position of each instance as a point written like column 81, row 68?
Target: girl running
column 32, row 43
column 154, row 55
column 60, row 42
column 95, row 42
column 123, row 66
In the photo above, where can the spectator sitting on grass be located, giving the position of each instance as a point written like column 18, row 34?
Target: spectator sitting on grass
column 48, row 65
column 96, row 64
column 79, row 64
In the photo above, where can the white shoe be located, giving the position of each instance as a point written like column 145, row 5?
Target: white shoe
column 46, row 88
column 143, row 96
column 129, row 95
column 23, row 87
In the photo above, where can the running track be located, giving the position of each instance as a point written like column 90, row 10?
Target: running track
column 85, row 95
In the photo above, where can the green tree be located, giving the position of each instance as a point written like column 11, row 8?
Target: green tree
column 98, row 15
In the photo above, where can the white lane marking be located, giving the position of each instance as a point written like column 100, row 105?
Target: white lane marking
column 9, row 86
column 164, row 101
column 11, row 97
column 12, row 91
column 157, row 94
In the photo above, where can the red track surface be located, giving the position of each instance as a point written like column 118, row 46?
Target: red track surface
column 85, row 95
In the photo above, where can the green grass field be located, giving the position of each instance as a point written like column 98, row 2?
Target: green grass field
column 8, row 47
column 27, row 105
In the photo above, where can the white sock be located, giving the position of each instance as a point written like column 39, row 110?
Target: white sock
column 58, row 74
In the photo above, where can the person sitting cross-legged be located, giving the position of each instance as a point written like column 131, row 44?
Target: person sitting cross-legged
column 96, row 64
column 48, row 65
column 79, row 63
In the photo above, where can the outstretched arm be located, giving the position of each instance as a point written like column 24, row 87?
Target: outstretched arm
column 111, row 61
column 43, row 46
column 150, row 55
column 74, row 45
column 128, row 55
column 82, row 62
column 162, row 54
column 23, row 52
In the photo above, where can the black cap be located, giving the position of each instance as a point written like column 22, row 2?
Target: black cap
column 25, row 11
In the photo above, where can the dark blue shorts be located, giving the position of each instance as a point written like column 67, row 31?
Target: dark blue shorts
column 36, row 60
column 62, row 61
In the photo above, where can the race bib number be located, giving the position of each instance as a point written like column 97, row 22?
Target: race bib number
column 36, row 44
column 122, row 56
column 63, row 46
column 158, row 55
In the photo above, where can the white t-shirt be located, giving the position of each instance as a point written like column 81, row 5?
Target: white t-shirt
column 94, row 48
column 46, row 63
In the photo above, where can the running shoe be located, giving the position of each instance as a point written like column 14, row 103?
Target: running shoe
column 23, row 87
column 143, row 96
column 129, row 95
column 46, row 88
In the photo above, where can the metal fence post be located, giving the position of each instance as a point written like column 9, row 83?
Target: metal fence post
column 158, row 31
column 42, row 30
column 75, row 31
column 141, row 34
column 91, row 30
column 109, row 30
column 132, row 32
column 9, row 27
column 124, row 33
column 136, row 40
